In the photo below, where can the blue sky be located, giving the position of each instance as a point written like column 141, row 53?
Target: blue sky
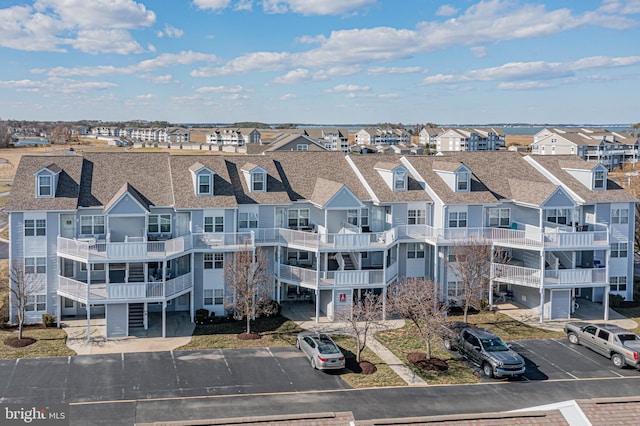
column 321, row 61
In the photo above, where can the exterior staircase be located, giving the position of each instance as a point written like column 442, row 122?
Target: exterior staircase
column 136, row 273
column 348, row 263
column 136, row 315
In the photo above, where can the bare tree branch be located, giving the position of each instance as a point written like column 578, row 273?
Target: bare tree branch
column 360, row 317
column 22, row 284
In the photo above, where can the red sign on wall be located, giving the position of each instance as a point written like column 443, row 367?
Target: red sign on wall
column 342, row 297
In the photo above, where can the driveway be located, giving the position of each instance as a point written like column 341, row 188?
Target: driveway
column 172, row 374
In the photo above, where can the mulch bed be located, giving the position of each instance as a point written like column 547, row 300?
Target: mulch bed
column 249, row 336
column 14, row 342
column 419, row 359
column 363, row 367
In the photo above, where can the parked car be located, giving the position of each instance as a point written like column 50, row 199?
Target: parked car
column 484, row 349
column 321, row 350
column 616, row 343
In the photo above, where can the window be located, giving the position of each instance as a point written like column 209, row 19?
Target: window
column 604, row 335
column 619, row 249
column 618, row 283
column 415, row 251
column 598, row 179
column 94, row 267
column 159, row 223
column 454, row 289
column 399, row 180
column 35, row 265
column 204, row 184
column 619, row 215
column 499, row 217
column 218, row 296
column 213, row 224
column 462, row 181
column 44, row 186
column 218, row 260
column 560, row 216
column 91, row 225
column 364, row 217
column 36, row 302
column 352, row 217
column 298, row 218
column 247, row 220
column 457, row 219
column 37, row 227
column 208, row 297
column 416, row 217
column 304, row 147
column 257, row 182
column 208, row 261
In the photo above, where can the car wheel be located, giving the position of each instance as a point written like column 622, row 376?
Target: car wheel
column 618, row 360
column 447, row 345
column 313, row 364
column 573, row 338
column 487, row 369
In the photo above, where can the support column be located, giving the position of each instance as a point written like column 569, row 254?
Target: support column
column 384, row 303
column 145, row 316
column 192, row 293
column 164, row 318
column 59, row 311
column 88, row 305
column 317, row 305
column 606, row 302
column 542, row 285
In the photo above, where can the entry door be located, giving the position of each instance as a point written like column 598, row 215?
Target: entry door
column 560, row 304
column 67, row 225
column 68, row 306
column 182, row 224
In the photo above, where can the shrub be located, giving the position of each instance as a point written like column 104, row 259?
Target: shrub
column 615, row 300
column 49, row 320
column 269, row 308
column 202, row 316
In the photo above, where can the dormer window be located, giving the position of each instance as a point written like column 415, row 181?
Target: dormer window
column 257, row 182
column 462, row 181
column 204, row 184
column 399, row 180
column 598, row 179
column 45, row 186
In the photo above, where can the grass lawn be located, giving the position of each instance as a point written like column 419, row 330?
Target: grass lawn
column 49, row 342
column 404, row 341
column 631, row 313
column 384, row 376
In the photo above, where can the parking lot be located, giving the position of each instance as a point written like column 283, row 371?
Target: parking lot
column 554, row 359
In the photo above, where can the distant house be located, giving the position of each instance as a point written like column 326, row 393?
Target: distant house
column 334, row 139
column 429, row 135
column 374, row 136
column 466, row 139
column 295, row 142
column 232, row 136
column 599, row 145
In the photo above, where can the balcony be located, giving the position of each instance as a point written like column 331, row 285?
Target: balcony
column 552, row 236
column 122, row 292
column 314, row 241
column 558, row 278
column 131, row 250
column 223, row 240
column 327, row 279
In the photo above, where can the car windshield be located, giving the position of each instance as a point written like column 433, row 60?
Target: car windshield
column 328, row 348
column 494, row 345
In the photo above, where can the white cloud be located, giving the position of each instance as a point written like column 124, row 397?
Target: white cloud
column 316, row 7
column 348, row 88
column 296, row 76
column 524, row 85
column 446, row 10
column 144, row 97
column 244, row 5
column 394, row 70
column 479, row 51
column 106, row 41
column 124, row 14
column 220, row 89
column 56, row 85
column 287, row 97
column 257, row 61
column 159, row 79
column 211, row 4
column 170, row 31
column 625, row 7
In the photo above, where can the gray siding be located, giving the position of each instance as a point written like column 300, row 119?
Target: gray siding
column 116, row 319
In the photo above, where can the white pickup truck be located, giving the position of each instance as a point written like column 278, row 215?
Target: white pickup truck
column 616, row 343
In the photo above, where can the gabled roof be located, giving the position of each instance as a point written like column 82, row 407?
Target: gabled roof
column 442, row 165
column 324, row 190
column 127, row 188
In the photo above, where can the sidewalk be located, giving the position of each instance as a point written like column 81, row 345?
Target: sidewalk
column 301, row 314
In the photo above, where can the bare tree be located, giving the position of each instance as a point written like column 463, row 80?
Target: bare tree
column 418, row 300
column 247, row 285
column 360, row 317
column 21, row 285
column 472, row 266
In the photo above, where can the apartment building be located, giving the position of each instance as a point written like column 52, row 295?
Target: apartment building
column 119, row 235
column 372, row 136
column 612, row 149
column 463, row 139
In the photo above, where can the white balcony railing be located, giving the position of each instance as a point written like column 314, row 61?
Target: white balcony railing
column 223, row 240
column 559, row 236
column 532, row 277
column 589, row 276
column 97, row 292
column 359, row 278
column 102, row 250
column 519, row 275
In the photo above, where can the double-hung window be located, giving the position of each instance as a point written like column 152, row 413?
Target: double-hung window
column 247, row 220
column 457, row 219
column 35, row 265
column 598, row 179
column 364, row 217
column 36, row 302
column 91, row 225
column 560, row 216
column 213, row 224
column 218, row 296
column 159, row 223
column 35, row 227
column 298, row 218
column 619, row 215
column 416, row 217
column 415, row 251
column 352, row 217
column 204, row 184
column 208, row 261
column 399, row 180
column 44, row 186
column 462, row 181
column 257, row 182
column 619, row 249
column 208, row 297
column 499, row 217
column 618, row 283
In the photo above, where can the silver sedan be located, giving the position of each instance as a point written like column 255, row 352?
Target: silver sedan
column 321, row 350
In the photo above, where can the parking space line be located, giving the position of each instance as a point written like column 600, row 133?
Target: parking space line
column 553, row 364
column 581, row 354
column 617, row 374
column 279, row 365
